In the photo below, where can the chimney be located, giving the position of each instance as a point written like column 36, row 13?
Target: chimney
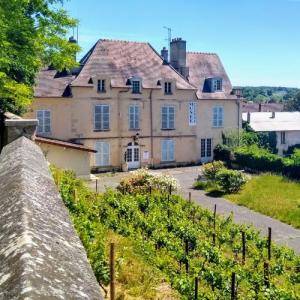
column 259, row 107
column 178, row 56
column 72, row 40
column 248, row 117
column 273, row 115
column 164, row 54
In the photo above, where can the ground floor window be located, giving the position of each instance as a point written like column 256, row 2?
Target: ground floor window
column 103, row 153
column 282, row 137
column 167, row 150
column 206, row 148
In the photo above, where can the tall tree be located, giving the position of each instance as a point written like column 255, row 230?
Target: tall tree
column 294, row 104
column 32, row 35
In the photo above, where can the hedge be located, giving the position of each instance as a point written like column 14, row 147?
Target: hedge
column 260, row 159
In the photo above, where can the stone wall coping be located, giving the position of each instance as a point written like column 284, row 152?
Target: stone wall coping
column 41, row 256
column 20, row 122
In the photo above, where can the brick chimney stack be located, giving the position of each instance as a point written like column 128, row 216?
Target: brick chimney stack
column 178, row 56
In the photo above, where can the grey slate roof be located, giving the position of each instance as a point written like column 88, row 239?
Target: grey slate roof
column 283, row 121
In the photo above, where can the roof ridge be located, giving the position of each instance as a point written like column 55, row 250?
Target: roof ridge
column 171, row 67
column 122, row 41
column 199, row 52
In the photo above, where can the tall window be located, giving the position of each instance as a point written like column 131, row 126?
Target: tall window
column 167, row 150
column 134, row 117
column 192, row 113
column 218, row 116
column 282, row 137
column 217, row 84
column 136, row 86
column 168, row 87
column 44, row 118
column 103, row 154
column 102, row 117
column 206, row 148
column 101, row 86
column 168, row 117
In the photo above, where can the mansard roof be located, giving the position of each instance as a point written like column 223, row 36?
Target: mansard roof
column 203, row 66
column 120, row 60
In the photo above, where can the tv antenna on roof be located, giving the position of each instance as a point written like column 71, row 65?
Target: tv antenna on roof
column 169, row 37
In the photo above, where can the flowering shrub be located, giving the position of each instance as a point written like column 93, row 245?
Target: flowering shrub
column 141, row 180
column 230, row 181
column 210, row 170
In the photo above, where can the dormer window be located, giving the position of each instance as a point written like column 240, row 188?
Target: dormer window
column 136, row 86
column 168, row 87
column 101, row 86
column 213, row 84
column 217, row 84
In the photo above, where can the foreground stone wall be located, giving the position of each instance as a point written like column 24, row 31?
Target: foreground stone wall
column 41, row 257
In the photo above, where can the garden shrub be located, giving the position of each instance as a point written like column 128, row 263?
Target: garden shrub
column 141, row 180
column 230, row 181
column 258, row 159
column 223, row 152
column 210, row 170
column 200, row 185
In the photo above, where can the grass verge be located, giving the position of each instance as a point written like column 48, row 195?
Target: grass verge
column 272, row 195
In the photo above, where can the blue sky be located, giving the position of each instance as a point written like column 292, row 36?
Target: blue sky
column 257, row 40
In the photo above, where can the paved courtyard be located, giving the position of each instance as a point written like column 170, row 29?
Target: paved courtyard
column 282, row 233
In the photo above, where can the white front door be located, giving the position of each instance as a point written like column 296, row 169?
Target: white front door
column 133, row 156
column 206, row 150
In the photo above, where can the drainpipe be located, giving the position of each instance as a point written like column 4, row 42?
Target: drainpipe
column 118, row 124
column 151, row 127
column 239, row 126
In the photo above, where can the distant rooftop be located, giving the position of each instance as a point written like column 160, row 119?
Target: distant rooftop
column 273, row 121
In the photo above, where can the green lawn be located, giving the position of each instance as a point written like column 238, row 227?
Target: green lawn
column 272, row 195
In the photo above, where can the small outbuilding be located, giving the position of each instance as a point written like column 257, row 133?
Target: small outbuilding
column 67, row 155
column 285, row 124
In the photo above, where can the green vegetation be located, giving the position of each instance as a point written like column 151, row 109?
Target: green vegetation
column 265, row 94
column 217, row 177
column 32, row 35
column 180, row 241
column 293, row 104
column 271, row 195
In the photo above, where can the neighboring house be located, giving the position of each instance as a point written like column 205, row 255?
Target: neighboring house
column 130, row 103
column 250, row 106
column 285, row 124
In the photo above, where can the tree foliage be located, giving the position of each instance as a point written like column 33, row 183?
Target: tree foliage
column 266, row 94
column 32, row 35
column 294, row 104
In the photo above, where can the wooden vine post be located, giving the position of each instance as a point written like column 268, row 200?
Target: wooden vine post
column 215, row 213
column 112, row 272
column 244, row 246
column 196, row 288
column 96, row 185
column 233, row 284
column 266, row 275
column 190, row 196
column 269, row 242
column 170, row 189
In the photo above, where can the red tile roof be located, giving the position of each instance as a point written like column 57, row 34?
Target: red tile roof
column 265, row 107
column 50, row 86
column 208, row 65
column 120, row 60
column 63, row 144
